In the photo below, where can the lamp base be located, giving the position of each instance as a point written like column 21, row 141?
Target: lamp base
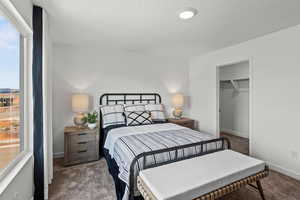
column 177, row 113
column 79, row 119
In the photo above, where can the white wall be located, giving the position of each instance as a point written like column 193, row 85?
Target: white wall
column 96, row 71
column 238, row 70
column 21, row 188
column 25, row 191
column 25, row 9
column 275, row 103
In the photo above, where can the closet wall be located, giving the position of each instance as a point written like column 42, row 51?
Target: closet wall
column 234, row 103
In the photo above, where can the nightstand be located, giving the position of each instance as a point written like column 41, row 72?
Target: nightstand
column 81, row 145
column 186, row 122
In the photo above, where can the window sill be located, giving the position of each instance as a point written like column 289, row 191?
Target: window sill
column 9, row 177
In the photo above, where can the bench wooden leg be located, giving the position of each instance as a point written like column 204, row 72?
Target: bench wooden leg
column 260, row 189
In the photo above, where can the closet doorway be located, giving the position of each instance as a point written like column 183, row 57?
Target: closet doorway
column 234, row 104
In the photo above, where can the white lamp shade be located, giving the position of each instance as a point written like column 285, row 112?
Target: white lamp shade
column 178, row 100
column 80, row 103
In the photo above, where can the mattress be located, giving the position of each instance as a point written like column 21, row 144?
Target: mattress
column 195, row 177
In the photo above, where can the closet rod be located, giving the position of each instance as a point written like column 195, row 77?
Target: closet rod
column 238, row 79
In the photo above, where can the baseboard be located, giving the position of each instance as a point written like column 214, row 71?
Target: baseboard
column 58, row 155
column 284, row 171
column 234, row 132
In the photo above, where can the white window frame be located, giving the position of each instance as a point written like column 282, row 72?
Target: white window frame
column 13, row 168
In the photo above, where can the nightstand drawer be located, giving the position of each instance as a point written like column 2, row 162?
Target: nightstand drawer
column 82, row 146
column 83, row 156
column 189, row 124
column 82, row 137
column 186, row 122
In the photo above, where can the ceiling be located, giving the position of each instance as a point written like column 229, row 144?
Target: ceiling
column 153, row 26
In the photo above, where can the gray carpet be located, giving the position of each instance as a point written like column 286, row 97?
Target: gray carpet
column 92, row 181
column 238, row 144
column 89, row 181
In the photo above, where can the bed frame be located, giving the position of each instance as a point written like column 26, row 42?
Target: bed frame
column 224, row 144
column 123, row 98
column 136, row 98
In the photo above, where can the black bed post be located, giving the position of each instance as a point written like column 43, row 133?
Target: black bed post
column 101, row 142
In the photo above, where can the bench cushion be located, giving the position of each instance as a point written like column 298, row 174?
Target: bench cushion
column 195, row 177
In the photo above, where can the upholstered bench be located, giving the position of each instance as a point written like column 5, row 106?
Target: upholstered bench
column 206, row 177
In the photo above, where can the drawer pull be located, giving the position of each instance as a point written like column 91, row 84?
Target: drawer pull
column 82, row 134
column 82, row 151
column 81, row 142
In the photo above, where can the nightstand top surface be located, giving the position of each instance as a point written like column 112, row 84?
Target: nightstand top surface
column 183, row 119
column 76, row 129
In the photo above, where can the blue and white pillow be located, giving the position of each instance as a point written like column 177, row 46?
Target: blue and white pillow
column 157, row 112
column 112, row 115
column 135, row 118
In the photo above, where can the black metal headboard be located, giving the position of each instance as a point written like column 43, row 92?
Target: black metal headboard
column 133, row 98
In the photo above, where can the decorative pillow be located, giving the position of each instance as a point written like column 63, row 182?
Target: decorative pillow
column 138, row 118
column 157, row 112
column 112, row 115
column 134, row 107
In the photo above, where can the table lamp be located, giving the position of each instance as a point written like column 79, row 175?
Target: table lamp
column 80, row 105
column 177, row 101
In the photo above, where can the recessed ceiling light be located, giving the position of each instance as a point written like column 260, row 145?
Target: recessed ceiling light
column 188, row 13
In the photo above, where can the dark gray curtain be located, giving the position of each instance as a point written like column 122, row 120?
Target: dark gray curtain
column 37, row 72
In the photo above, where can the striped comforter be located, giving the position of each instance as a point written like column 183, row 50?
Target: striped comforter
column 125, row 146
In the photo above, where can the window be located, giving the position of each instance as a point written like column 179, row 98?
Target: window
column 15, row 90
column 11, row 136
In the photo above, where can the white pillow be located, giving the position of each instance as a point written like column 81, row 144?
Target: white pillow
column 157, row 112
column 112, row 115
column 134, row 107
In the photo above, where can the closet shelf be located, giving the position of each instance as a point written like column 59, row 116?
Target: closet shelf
column 235, row 84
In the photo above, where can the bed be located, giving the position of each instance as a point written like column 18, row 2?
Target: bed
column 130, row 149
